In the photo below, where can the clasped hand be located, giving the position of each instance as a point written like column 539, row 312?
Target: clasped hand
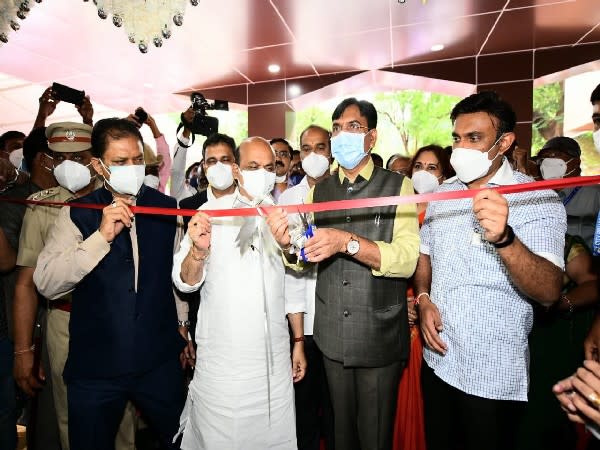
column 325, row 242
column 491, row 210
column 199, row 230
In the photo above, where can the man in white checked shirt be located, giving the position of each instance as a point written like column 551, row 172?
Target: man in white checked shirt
column 482, row 262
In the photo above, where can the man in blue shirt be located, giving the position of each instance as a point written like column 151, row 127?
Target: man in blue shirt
column 482, row 262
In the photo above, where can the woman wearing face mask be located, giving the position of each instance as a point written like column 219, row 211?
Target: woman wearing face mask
column 428, row 168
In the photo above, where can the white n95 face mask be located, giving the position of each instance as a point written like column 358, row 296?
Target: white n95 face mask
column 152, row 181
column 72, row 176
column 258, row 183
column 126, row 180
column 424, row 181
column 553, row 168
column 315, row 165
column 470, row 164
column 220, row 176
column 16, row 157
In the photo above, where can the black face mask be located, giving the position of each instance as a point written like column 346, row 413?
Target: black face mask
column 194, row 182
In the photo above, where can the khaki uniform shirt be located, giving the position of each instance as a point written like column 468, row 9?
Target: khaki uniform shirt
column 37, row 222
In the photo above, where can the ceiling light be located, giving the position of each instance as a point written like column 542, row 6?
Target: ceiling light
column 294, row 90
column 274, row 68
column 148, row 85
column 437, row 47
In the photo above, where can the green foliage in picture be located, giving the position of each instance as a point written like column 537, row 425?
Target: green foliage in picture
column 548, row 114
column 411, row 119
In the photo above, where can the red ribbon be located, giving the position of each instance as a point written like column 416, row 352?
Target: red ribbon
column 338, row 204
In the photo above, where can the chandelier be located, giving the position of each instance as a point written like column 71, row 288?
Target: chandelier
column 144, row 21
column 10, row 12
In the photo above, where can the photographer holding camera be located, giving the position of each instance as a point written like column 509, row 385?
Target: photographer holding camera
column 158, row 166
column 180, row 186
column 194, row 120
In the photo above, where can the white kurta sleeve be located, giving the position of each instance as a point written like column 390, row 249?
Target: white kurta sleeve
column 186, row 244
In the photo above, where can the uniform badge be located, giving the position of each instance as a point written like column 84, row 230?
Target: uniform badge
column 70, row 135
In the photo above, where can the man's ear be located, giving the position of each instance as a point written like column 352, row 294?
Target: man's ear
column 506, row 142
column 371, row 139
column 237, row 174
column 98, row 167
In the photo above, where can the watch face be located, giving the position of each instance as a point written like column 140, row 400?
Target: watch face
column 353, row 247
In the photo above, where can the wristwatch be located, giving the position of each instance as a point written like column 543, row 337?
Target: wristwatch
column 353, row 246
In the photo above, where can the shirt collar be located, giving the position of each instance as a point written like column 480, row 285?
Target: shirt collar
column 365, row 172
column 503, row 176
column 304, row 182
column 211, row 196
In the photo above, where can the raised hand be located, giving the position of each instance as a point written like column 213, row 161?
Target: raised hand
column 86, row 111
column 115, row 217
column 199, row 230
column 491, row 210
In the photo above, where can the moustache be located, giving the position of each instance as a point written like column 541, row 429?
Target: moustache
column 278, row 163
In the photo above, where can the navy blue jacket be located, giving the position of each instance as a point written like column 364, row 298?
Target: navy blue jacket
column 114, row 329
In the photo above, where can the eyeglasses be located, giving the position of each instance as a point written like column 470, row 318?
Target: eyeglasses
column 282, row 154
column 352, row 127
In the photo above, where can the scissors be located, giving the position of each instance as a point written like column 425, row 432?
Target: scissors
column 308, row 233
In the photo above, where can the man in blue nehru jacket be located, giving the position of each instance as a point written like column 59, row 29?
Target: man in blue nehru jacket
column 125, row 343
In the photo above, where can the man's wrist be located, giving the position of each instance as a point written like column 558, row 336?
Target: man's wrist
column 507, row 238
column 345, row 238
column 199, row 254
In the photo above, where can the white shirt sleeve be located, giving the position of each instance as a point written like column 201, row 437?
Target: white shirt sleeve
column 186, row 244
column 295, row 291
column 178, row 186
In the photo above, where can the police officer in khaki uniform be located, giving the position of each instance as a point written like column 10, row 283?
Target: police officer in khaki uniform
column 69, row 144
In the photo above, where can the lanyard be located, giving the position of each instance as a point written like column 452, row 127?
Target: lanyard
column 596, row 243
column 569, row 197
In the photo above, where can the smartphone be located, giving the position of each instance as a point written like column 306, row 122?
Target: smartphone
column 141, row 115
column 67, row 94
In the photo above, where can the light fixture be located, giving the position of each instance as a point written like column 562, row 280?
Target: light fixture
column 437, row 47
column 144, row 21
column 148, row 85
column 294, row 90
column 274, row 68
column 11, row 12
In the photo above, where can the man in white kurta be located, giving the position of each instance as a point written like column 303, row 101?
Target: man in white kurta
column 241, row 396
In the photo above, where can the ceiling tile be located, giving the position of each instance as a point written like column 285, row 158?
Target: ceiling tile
column 460, row 37
column 363, row 51
column 593, row 36
column 254, row 63
column 263, row 24
column 545, row 26
column 423, row 13
column 533, row 3
column 310, row 19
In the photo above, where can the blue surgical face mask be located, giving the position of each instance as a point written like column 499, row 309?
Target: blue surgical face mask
column 348, row 149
